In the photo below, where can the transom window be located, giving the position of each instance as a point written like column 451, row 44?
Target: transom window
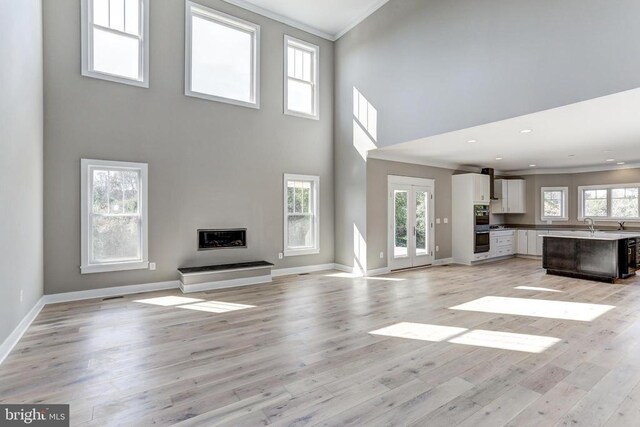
column 554, row 203
column 114, row 216
column 222, row 54
column 301, row 78
column 301, row 225
column 115, row 40
column 610, row 202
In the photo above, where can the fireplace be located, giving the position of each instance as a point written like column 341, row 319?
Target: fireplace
column 222, row 239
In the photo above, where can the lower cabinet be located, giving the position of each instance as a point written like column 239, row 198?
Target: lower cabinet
column 530, row 242
column 502, row 243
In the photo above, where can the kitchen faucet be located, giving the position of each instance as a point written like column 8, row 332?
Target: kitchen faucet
column 621, row 225
column 591, row 227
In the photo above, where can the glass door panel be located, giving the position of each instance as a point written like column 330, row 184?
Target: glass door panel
column 422, row 222
column 400, row 227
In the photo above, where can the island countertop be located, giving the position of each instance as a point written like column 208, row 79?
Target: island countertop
column 598, row 235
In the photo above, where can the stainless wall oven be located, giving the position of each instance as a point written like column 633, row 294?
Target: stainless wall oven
column 481, row 240
column 481, row 215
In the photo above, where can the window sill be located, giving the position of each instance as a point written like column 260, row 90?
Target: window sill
column 214, row 98
column 555, row 218
column 116, row 79
column 597, row 219
column 297, row 252
column 120, row 266
column 302, row 115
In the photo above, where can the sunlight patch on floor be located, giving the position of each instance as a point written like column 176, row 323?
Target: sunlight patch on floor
column 168, row 301
column 506, row 341
column 534, row 288
column 216, row 306
column 536, row 308
column 419, row 331
column 479, row 338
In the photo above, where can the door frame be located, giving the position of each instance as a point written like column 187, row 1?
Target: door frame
column 407, row 181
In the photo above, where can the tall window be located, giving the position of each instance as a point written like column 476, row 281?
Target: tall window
column 554, row 203
column 610, row 202
column 114, row 216
column 301, row 78
column 301, row 222
column 222, row 56
column 115, row 40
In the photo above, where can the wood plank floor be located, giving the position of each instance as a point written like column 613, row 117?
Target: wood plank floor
column 302, row 355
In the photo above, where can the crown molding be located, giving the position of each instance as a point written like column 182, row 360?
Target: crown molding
column 401, row 158
column 377, row 5
column 304, row 27
column 283, row 19
column 583, row 169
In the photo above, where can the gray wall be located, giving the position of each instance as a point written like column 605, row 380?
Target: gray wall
column 535, row 182
column 210, row 164
column 21, row 160
column 377, row 207
column 434, row 66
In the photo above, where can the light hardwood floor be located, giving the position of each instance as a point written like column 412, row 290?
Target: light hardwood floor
column 303, row 355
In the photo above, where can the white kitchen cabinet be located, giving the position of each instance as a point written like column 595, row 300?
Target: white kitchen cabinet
column 522, row 243
column 502, row 243
column 530, row 242
column 481, row 188
column 511, row 194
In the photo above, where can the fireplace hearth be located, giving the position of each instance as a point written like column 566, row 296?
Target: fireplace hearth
column 228, row 238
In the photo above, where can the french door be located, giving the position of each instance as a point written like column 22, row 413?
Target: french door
column 411, row 232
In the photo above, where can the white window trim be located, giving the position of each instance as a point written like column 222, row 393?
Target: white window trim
column 565, row 203
column 316, row 204
column 233, row 22
column 582, row 188
column 316, row 70
column 87, row 50
column 85, row 266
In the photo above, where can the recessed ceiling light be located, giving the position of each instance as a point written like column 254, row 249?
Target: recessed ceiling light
column 526, row 131
column 606, row 151
column 532, row 166
column 572, row 155
column 471, row 141
column 498, row 158
column 620, row 163
column 611, row 160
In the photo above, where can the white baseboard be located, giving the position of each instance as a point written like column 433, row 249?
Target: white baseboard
column 110, row 292
column 443, row 261
column 378, row 271
column 18, row 332
column 344, row 268
column 300, row 270
column 221, row 284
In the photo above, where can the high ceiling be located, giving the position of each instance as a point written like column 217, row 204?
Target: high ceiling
column 592, row 135
column 327, row 18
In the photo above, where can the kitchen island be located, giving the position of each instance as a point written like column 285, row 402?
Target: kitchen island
column 601, row 256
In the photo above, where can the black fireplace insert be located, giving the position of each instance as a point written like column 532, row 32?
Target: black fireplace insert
column 222, row 239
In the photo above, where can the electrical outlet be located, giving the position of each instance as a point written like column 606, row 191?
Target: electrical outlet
column 21, row 295
column 437, row 220
column 446, row 220
column 381, row 255
column 437, row 248
column 280, row 255
column 152, row 266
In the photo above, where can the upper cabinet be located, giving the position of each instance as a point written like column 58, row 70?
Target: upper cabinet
column 472, row 188
column 481, row 188
column 511, row 195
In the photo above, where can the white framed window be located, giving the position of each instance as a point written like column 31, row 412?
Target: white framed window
column 609, row 202
column 222, row 57
column 301, row 215
column 301, row 83
column 113, row 216
column 554, row 203
column 115, row 41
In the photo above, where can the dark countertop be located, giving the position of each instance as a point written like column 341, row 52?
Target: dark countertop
column 561, row 227
column 221, row 267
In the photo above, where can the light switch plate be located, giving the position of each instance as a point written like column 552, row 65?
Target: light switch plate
column 437, row 220
column 446, row 220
